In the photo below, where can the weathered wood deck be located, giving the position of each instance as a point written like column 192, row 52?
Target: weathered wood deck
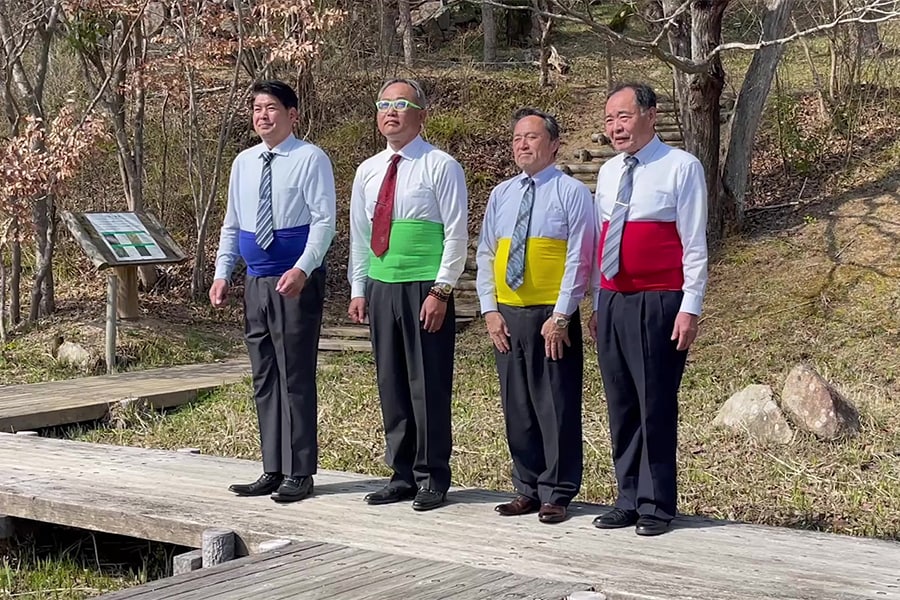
column 172, row 497
column 331, row 572
column 52, row 403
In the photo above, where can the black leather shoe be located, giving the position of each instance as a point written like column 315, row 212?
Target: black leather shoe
column 428, row 499
column 389, row 495
column 616, row 518
column 265, row 485
column 293, row 489
column 650, row 525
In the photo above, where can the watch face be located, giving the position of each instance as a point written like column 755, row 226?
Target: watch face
column 562, row 322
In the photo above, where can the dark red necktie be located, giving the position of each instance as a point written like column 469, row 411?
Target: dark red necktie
column 384, row 209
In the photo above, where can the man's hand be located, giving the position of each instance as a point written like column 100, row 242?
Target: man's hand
column 432, row 314
column 685, row 330
column 357, row 310
column 592, row 326
column 218, row 293
column 291, row 283
column 554, row 338
column 497, row 330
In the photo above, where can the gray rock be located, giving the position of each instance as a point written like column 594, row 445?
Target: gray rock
column 753, row 410
column 816, row 406
column 76, row 355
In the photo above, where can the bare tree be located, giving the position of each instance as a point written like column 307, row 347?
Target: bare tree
column 692, row 32
column 115, row 63
column 489, row 29
column 409, row 48
column 31, row 26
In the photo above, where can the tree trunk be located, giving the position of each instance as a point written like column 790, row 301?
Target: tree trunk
column 748, row 109
column 15, row 277
column 699, row 97
column 489, row 27
column 3, row 320
column 409, row 48
column 43, row 301
column 869, row 38
column 543, row 26
column 388, row 26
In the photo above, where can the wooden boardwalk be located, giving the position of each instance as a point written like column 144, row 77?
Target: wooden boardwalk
column 173, row 497
column 331, row 572
column 53, row 403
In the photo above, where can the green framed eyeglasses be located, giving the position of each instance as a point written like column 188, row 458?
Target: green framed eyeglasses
column 398, row 105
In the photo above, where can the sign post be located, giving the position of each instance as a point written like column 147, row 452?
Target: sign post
column 122, row 242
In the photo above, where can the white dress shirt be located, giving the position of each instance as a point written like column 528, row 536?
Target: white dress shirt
column 302, row 194
column 431, row 186
column 669, row 186
column 562, row 210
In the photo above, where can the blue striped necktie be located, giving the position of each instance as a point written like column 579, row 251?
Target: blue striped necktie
column 612, row 243
column 265, row 228
column 515, row 264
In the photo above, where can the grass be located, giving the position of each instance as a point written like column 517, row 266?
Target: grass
column 822, row 292
column 58, row 563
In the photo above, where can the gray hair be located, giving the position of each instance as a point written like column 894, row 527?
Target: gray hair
column 643, row 93
column 549, row 120
column 420, row 98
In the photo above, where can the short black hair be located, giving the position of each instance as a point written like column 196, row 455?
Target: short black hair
column 279, row 89
column 549, row 120
column 643, row 93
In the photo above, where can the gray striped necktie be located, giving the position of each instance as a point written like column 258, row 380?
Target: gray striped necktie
column 265, row 228
column 515, row 264
column 612, row 244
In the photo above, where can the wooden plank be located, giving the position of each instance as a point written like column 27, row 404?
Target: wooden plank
column 358, row 331
column 115, row 489
column 339, row 345
column 226, row 572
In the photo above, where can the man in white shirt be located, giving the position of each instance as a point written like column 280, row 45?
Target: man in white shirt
column 650, row 277
column 408, row 237
column 534, row 267
column 280, row 220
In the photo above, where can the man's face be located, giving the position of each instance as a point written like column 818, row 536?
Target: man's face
column 400, row 126
column 532, row 147
column 627, row 127
column 271, row 120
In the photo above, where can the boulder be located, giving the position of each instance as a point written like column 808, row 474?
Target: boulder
column 816, row 406
column 753, row 410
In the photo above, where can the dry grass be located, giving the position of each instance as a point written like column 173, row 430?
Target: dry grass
column 824, row 291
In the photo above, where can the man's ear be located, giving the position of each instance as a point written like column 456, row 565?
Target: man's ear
column 293, row 115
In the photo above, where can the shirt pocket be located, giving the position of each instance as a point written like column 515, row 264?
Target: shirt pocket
column 287, row 195
column 555, row 223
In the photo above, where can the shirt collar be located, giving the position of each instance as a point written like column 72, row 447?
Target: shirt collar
column 648, row 151
column 282, row 149
column 410, row 151
column 542, row 176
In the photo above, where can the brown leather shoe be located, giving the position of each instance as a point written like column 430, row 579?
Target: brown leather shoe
column 552, row 513
column 522, row 505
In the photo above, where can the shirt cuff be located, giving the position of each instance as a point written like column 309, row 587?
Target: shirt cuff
column 564, row 305
column 306, row 264
column 223, row 272
column 691, row 303
column 488, row 303
column 358, row 289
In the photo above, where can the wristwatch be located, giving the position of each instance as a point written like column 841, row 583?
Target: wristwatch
column 561, row 321
column 441, row 291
